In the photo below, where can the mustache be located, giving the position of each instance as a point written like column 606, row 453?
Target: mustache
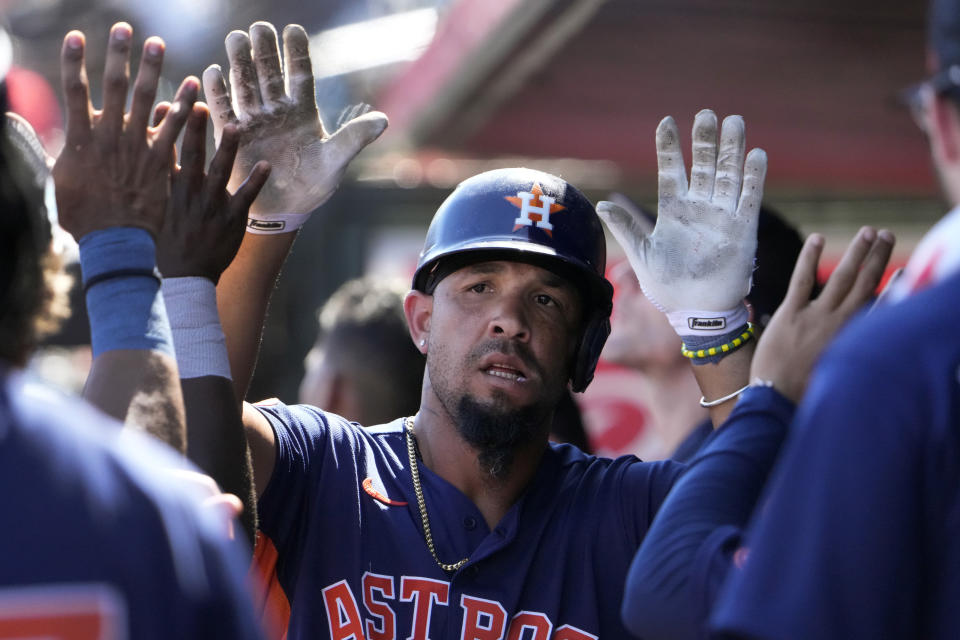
column 508, row 348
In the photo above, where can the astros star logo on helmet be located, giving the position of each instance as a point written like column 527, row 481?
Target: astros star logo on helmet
column 535, row 209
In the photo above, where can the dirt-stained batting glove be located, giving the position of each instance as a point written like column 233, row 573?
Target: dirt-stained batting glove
column 276, row 114
column 697, row 264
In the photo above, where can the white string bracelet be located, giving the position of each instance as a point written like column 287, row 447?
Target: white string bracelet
column 198, row 338
column 730, row 396
column 270, row 223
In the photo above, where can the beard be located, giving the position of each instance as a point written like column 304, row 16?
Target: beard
column 494, row 427
column 496, row 432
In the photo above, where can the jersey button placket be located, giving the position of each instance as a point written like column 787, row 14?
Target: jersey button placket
column 469, row 523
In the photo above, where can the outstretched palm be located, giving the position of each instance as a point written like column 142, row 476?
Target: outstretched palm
column 277, row 118
column 700, row 254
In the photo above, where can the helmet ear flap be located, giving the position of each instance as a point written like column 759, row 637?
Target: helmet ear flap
column 588, row 352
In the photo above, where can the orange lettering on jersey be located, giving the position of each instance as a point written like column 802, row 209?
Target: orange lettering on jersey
column 566, row 632
column 538, row 623
column 424, row 593
column 59, row 627
column 384, row 625
column 482, row 619
column 62, row 612
column 343, row 615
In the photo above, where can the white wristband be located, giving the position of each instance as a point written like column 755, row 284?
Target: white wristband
column 270, row 223
column 198, row 338
column 708, row 323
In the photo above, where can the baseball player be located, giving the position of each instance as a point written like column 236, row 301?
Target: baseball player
column 104, row 540
column 462, row 521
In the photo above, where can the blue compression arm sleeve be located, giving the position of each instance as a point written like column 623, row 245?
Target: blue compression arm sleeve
column 684, row 557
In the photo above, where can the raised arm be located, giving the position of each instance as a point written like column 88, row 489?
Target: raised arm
column 273, row 107
column 201, row 233
column 696, row 266
column 271, row 117
column 688, row 551
column 112, row 186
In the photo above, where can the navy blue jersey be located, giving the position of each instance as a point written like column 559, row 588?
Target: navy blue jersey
column 693, row 442
column 352, row 560
column 860, row 535
column 98, row 541
column 675, row 576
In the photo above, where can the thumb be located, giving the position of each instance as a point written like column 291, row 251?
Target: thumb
column 352, row 137
column 628, row 227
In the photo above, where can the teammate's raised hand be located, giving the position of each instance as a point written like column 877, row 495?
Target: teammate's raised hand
column 204, row 222
column 274, row 108
column 801, row 328
column 696, row 266
column 114, row 170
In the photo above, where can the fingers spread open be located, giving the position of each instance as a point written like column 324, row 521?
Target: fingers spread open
column 159, row 113
column 871, row 273
column 726, row 189
column 296, row 57
column 218, row 99
column 804, row 275
column 75, row 90
column 671, row 174
column 177, row 115
column 755, row 172
column 116, row 79
column 222, row 164
column 266, row 57
column 703, row 166
column 193, row 151
column 145, row 86
column 243, row 75
column 845, row 274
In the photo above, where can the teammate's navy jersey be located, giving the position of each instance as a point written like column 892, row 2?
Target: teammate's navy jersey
column 694, row 441
column 674, row 578
column 341, row 510
column 860, row 536
column 100, row 543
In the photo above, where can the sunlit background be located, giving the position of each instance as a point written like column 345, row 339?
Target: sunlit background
column 574, row 87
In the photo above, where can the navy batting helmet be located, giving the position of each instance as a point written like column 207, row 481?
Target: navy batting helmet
column 528, row 216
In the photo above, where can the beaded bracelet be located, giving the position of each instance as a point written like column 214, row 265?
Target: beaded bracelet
column 728, row 347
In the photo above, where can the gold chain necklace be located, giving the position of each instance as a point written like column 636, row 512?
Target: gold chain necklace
column 417, row 489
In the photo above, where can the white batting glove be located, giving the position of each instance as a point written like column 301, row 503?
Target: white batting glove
column 697, row 264
column 277, row 116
